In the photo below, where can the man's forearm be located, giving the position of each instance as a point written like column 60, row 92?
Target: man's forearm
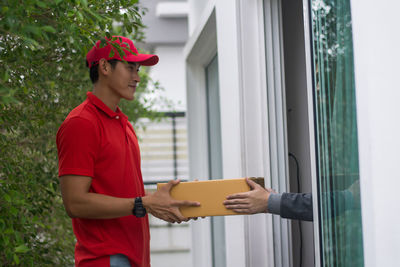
column 98, row 206
column 80, row 203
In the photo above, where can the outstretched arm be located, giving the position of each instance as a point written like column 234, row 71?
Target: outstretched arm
column 264, row 200
column 80, row 203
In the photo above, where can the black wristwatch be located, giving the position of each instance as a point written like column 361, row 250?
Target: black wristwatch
column 138, row 210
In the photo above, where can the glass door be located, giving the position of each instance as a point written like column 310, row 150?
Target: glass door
column 215, row 157
column 341, row 241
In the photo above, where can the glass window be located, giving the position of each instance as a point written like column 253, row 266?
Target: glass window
column 336, row 134
column 215, row 157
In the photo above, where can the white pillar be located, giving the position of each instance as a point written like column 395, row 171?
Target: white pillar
column 377, row 55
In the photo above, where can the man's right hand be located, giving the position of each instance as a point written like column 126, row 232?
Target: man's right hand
column 161, row 205
column 251, row 202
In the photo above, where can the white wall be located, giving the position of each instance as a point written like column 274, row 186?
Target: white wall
column 196, row 8
column 170, row 72
column 377, row 55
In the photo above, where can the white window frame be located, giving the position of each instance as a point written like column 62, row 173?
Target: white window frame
column 311, row 122
column 198, row 52
column 277, row 124
column 244, row 120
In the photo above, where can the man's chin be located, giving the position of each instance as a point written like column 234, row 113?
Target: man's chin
column 130, row 96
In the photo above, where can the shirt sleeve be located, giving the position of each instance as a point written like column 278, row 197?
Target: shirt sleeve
column 78, row 146
column 274, row 203
column 297, row 206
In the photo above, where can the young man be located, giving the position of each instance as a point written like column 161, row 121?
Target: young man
column 99, row 167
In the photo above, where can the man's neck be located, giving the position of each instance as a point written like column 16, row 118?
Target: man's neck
column 106, row 96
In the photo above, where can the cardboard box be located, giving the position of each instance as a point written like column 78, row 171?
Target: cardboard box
column 211, row 194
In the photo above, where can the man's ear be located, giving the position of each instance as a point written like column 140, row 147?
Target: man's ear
column 104, row 66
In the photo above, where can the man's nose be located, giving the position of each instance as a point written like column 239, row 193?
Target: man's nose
column 136, row 76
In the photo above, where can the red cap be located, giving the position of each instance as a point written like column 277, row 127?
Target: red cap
column 97, row 53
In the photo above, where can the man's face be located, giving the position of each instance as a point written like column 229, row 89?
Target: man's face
column 124, row 79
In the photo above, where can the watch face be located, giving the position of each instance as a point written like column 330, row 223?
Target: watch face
column 139, row 210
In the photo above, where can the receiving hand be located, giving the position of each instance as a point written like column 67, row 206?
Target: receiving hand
column 163, row 206
column 251, row 202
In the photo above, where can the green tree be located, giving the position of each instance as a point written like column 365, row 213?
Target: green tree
column 43, row 44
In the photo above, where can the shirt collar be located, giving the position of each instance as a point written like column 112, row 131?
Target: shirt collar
column 100, row 105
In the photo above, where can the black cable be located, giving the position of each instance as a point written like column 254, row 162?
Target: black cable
column 299, row 222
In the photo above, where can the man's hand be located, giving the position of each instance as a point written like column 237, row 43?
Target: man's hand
column 161, row 205
column 251, row 202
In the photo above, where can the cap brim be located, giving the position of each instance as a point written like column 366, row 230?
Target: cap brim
column 143, row 59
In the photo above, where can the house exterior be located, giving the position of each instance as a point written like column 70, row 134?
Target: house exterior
column 303, row 93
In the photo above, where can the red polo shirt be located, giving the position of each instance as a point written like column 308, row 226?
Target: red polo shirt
column 97, row 142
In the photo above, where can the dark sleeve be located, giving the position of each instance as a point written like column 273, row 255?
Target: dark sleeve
column 297, row 206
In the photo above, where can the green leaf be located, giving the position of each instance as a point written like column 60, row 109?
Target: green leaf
column 7, row 198
column 112, row 53
column 6, row 75
column 103, row 43
column 6, row 240
column 128, row 28
column 2, row 225
column 9, row 231
column 16, row 259
column 41, row 4
column 48, row 28
column 18, row 237
column 31, row 43
column 32, row 29
column 14, row 211
column 79, row 15
column 21, row 249
column 94, row 14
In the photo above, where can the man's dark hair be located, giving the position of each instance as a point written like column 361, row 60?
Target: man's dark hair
column 94, row 70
